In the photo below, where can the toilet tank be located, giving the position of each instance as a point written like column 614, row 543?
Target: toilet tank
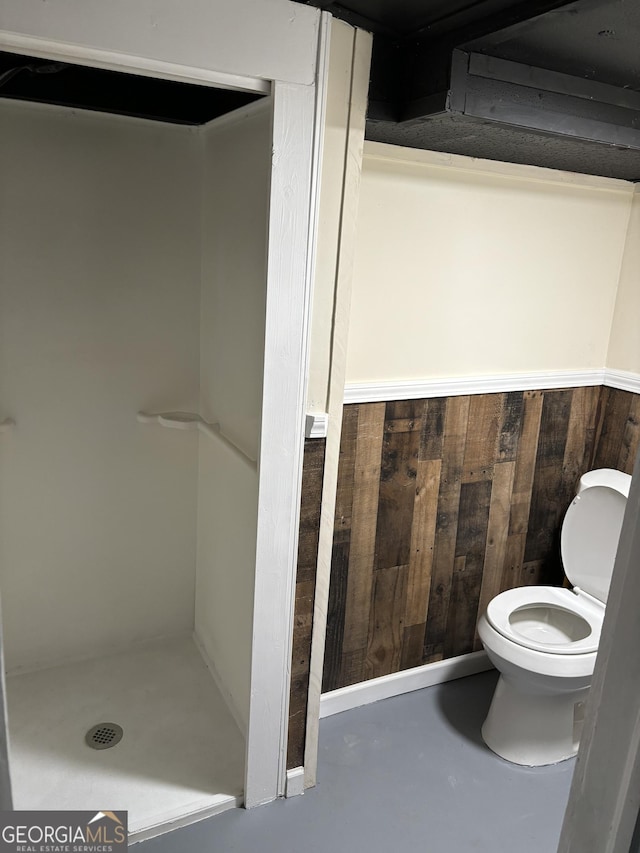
column 606, row 477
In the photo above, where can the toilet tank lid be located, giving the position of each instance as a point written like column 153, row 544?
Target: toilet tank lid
column 589, row 539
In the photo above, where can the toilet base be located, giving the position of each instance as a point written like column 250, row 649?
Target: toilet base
column 531, row 729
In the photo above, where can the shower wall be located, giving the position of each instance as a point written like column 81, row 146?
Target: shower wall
column 235, row 196
column 99, row 318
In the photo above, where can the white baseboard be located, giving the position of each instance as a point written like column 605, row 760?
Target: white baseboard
column 346, row 698
column 226, row 695
column 295, row 782
column 624, row 380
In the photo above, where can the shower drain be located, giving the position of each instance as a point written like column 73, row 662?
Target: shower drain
column 104, row 735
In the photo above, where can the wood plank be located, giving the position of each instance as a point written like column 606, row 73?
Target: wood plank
column 513, row 560
column 548, row 501
column 464, row 609
column 455, row 429
column 331, row 669
column 614, row 415
column 397, row 488
column 630, row 438
column 577, row 451
column 423, row 532
column 364, row 512
column 497, row 537
column 525, row 462
column 301, row 653
column 433, row 428
column 471, row 540
column 353, row 669
column 485, row 414
column 510, row 426
column 533, row 573
column 340, row 550
column 310, row 501
column 346, row 467
column 412, row 646
column 384, row 650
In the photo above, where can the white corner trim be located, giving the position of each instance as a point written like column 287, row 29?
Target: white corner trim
column 375, row 392
column 624, row 380
column 316, row 425
column 346, row 698
column 295, row 782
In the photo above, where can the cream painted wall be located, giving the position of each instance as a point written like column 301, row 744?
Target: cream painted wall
column 466, row 267
column 99, row 318
column 624, row 345
column 237, row 168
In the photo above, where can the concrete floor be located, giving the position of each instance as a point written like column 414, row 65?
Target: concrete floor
column 405, row 773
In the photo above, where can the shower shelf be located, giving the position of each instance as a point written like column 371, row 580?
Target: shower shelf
column 191, row 421
column 7, row 425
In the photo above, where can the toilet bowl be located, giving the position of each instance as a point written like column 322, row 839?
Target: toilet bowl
column 544, row 640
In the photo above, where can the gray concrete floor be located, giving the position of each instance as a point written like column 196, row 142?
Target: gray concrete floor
column 406, row 773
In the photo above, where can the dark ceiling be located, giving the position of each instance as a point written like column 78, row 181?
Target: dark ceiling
column 545, row 82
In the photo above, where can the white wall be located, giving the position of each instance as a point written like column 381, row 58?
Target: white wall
column 99, row 317
column 466, row 267
column 237, row 156
column 624, row 345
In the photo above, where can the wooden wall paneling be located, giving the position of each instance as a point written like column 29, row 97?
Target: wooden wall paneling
column 340, row 550
column 454, row 500
column 453, row 447
column 366, row 484
column 305, row 589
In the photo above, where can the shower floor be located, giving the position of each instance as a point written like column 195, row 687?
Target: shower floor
column 181, row 757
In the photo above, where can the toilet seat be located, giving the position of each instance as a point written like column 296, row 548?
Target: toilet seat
column 547, row 619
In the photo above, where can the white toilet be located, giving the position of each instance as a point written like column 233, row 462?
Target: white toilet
column 544, row 639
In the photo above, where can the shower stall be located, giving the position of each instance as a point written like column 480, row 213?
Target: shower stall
column 151, row 410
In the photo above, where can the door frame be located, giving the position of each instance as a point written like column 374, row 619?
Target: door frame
column 295, row 165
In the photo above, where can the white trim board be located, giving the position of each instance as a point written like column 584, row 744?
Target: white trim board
column 624, row 380
column 123, row 62
column 418, row 389
column 295, row 782
column 316, row 425
column 365, row 692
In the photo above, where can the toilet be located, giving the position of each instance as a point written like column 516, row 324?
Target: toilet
column 543, row 639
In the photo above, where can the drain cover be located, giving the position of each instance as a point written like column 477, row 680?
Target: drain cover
column 104, row 735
